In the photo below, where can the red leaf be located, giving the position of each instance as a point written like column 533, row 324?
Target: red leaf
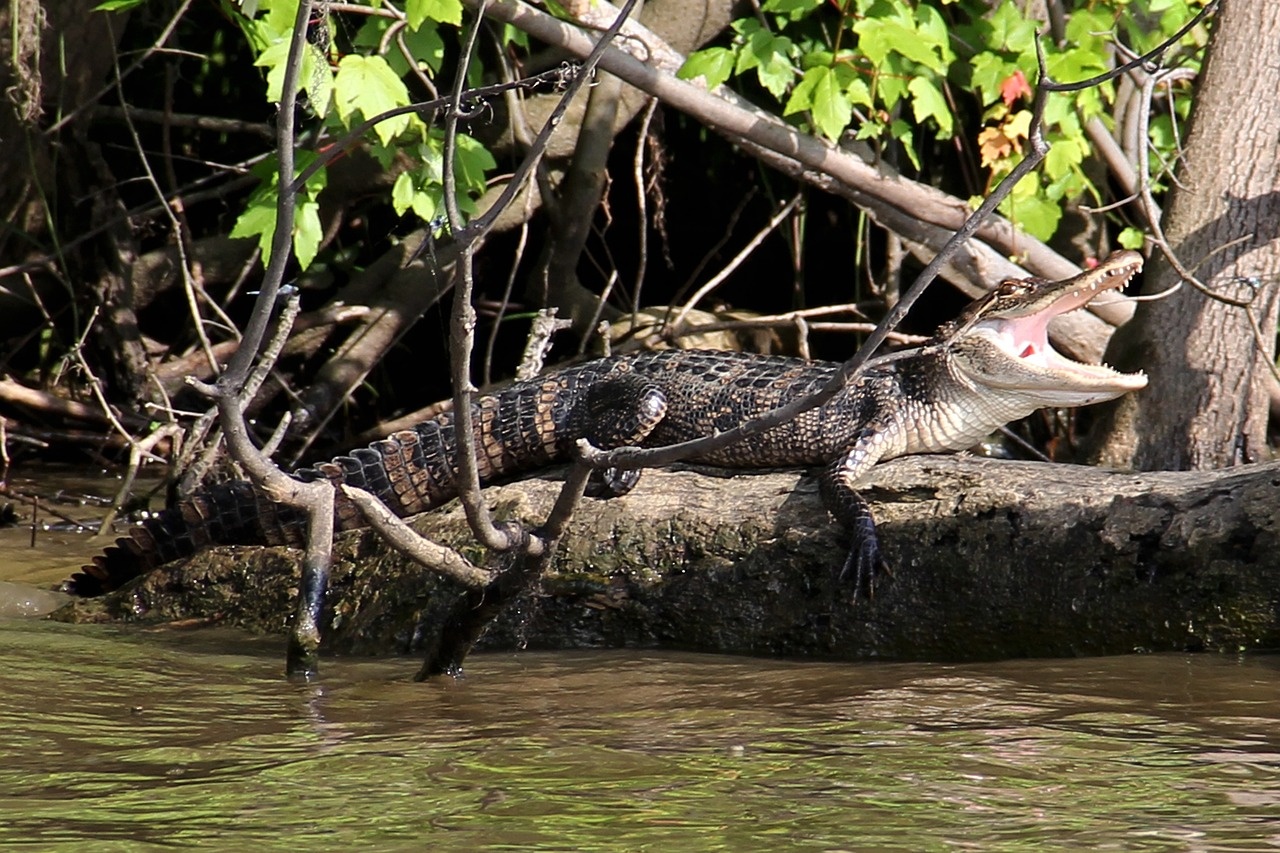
column 1014, row 87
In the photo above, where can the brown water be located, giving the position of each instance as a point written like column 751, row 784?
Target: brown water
column 121, row 738
column 128, row 739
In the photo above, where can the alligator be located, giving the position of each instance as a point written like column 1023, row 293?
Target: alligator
column 991, row 365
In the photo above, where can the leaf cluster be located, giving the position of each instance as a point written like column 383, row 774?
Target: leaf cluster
column 358, row 83
column 918, row 76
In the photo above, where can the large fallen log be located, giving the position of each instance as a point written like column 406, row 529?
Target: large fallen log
column 989, row 560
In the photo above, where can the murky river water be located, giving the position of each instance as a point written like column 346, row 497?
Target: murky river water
column 119, row 737
column 124, row 739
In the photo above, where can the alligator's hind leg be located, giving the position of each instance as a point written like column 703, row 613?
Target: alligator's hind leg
column 837, row 484
column 619, row 411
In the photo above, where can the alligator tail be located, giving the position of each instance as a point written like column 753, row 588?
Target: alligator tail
column 411, row 471
column 235, row 513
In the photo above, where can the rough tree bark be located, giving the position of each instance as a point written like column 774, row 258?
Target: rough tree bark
column 1207, row 404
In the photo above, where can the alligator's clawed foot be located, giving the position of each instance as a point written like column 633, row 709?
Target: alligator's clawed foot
column 864, row 564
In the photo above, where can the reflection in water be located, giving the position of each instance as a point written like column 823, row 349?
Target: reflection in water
column 170, row 738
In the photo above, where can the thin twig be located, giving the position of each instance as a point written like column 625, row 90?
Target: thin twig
column 195, row 122
column 642, row 203
column 137, row 449
column 737, row 260
column 179, row 231
column 462, row 325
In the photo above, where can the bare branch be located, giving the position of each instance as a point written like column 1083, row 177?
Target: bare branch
column 462, row 325
column 1138, row 61
column 438, row 558
column 544, row 327
column 198, row 122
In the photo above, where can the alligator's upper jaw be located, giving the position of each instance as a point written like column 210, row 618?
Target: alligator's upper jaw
column 1032, row 365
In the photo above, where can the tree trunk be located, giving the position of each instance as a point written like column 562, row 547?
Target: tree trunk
column 989, row 560
column 1207, row 404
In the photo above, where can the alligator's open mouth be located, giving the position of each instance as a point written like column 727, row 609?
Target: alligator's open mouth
column 1023, row 333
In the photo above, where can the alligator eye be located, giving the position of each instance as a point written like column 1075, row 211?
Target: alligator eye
column 1011, row 287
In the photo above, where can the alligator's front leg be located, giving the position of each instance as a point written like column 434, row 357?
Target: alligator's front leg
column 614, row 411
column 838, row 485
column 618, row 411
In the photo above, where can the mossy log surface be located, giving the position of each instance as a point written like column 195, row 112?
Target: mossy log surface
column 989, row 560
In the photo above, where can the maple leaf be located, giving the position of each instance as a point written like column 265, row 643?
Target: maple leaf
column 993, row 145
column 1013, row 87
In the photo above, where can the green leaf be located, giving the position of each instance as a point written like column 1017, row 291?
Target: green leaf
column 858, row 92
column 891, row 81
column 258, row 219
column 273, row 58
column 424, row 44
column 1010, row 29
column 793, row 9
column 988, row 71
column 1075, row 64
column 259, row 216
column 905, row 133
column 802, row 95
column 770, row 56
column 307, row 232
column 1031, row 210
column 870, row 130
column 471, row 161
column 715, row 65
column 413, row 190
column 512, row 36
column 1090, row 28
column 1131, row 238
column 428, row 203
column 117, row 5
column 831, row 108
column 1161, row 131
column 443, row 11
column 879, row 37
column 1064, row 158
column 431, row 156
column 931, row 29
column 845, row 77
column 315, row 80
column 402, row 192
column 367, row 85
column 927, row 102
